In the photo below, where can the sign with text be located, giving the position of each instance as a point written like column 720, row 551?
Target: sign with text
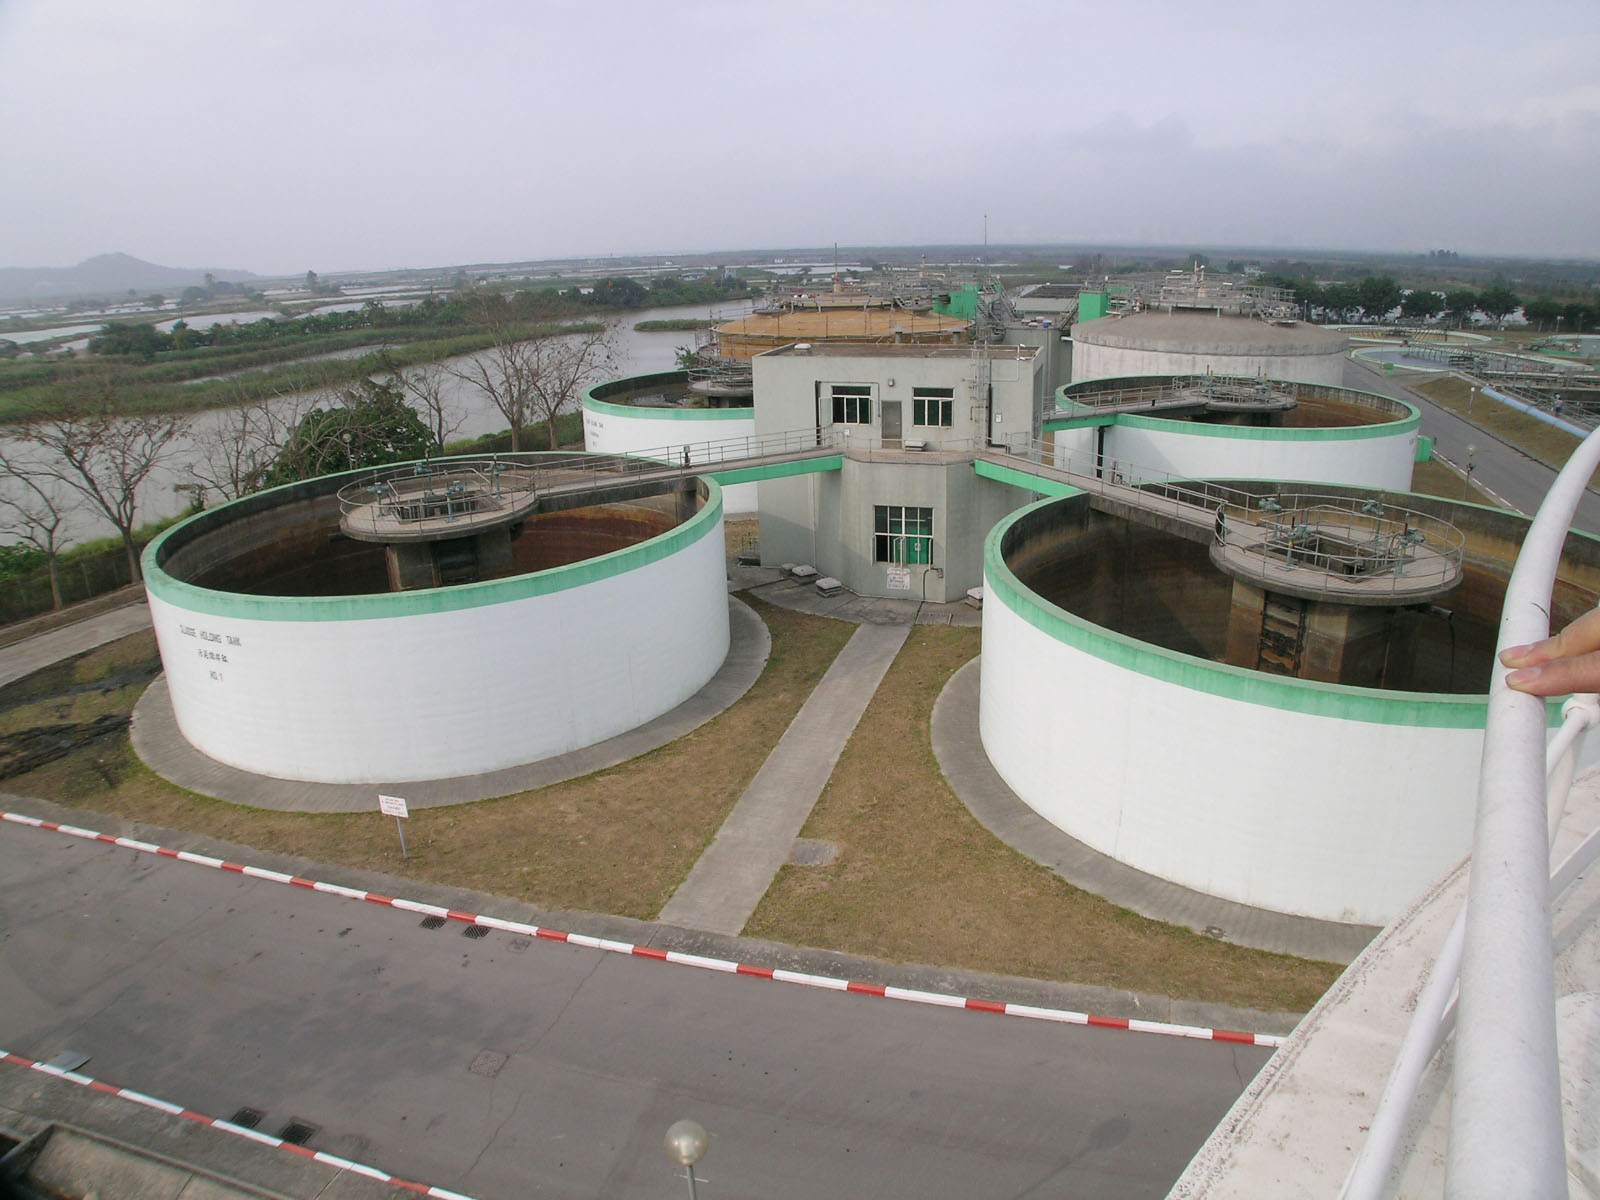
column 899, row 579
column 392, row 806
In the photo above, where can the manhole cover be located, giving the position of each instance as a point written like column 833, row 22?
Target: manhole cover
column 812, row 852
column 432, row 922
column 298, row 1132
column 249, row 1118
column 475, row 931
column 488, row 1063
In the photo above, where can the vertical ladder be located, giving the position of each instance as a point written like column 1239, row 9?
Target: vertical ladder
column 1283, row 634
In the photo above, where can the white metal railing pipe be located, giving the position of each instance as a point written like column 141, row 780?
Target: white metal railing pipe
column 1505, row 1110
column 1434, row 1015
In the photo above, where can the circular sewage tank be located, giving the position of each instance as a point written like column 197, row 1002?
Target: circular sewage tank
column 1197, row 341
column 1121, row 703
column 660, row 416
column 287, row 653
column 1212, row 427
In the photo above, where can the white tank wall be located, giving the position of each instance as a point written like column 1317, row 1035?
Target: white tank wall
column 430, row 695
column 1294, row 811
column 618, row 429
column 1198, row 453
column 1092, row 361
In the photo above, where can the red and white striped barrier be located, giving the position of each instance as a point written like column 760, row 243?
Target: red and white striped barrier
column 726, row 966
column 266, row 1139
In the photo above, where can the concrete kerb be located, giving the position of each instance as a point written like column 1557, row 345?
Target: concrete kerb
column 163, row 748
column 951, row 981
column 958, row 748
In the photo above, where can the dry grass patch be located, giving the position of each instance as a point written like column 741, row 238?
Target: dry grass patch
column 918, row 879
column 618, row 841
column 1433, row 478
column 1529, row 434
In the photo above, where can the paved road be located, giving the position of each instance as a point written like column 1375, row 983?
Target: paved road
column 509, row 1067
column 1523, row 481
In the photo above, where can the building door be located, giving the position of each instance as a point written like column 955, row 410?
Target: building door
column 891, row 424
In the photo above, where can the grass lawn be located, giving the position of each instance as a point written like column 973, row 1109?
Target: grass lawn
column 1433, row 478
column 918, row 879
column 1544, row 442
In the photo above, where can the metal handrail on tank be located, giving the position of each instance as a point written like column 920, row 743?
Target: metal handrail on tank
column 1505, row 1128
column 435, row 489
column 1356, row 544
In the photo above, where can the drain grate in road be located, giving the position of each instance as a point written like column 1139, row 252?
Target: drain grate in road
column 434, row 922
column 298, row 1132
column 475, row 931
column 249, row 1118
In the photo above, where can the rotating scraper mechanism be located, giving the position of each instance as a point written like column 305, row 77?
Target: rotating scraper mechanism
column 1362, row 551
column 429, row 501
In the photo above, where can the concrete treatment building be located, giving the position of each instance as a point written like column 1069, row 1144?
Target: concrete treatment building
column 1284, row 637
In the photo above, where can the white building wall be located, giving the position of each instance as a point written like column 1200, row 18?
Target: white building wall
column 434, row 695
column 1345, row 820
column 666, row 435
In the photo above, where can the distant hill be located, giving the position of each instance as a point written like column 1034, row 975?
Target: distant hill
column 105, row 274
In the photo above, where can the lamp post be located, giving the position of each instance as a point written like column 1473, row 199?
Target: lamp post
column 1472, row 400
column 686, row 1145
column 1472, row 453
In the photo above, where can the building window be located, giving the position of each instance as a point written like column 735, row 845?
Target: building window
column 852, row 404
column 933, row 406
column 901, row 534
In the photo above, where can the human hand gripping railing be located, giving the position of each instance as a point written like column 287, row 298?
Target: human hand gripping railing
column 1505, row 1116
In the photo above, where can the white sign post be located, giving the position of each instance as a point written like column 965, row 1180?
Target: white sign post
column 394, row 806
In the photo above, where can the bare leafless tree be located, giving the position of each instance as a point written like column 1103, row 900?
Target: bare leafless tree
column 103, row 454
column 535, row 379
column 428, row 387
column 33, row 509
column 235, row 447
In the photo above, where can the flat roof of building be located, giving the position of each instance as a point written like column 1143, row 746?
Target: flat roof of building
column 841, row 322
column 895, row 350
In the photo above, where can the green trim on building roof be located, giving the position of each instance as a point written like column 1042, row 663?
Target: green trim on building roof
column 781, row 470
column 384, row 605
column 1428, row 710
column 1022, row 479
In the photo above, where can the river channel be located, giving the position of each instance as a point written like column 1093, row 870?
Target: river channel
column 637, row 354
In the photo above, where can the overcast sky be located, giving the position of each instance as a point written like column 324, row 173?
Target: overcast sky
column 278, row 136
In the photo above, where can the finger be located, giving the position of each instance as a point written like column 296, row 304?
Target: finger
column 1580, row 637
column 1561, row 677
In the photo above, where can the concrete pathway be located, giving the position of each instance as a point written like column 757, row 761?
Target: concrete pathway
column 959, row 750
column 37, row 652
column 729, row 879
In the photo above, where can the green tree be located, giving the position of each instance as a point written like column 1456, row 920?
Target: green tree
column 1498, row 302
column 1460, row 304
column 613, row 292
column 1578, row 317
column 371, row 426
column 1378, row 296
column 1543, row 312
column 1422, row 303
